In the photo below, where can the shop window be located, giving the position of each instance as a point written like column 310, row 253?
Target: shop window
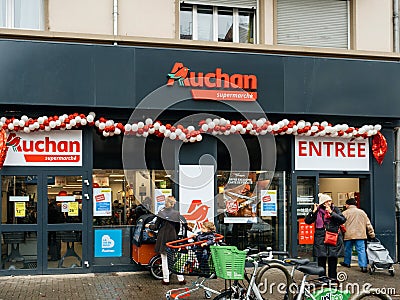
column 22, row 14
column 217, row 23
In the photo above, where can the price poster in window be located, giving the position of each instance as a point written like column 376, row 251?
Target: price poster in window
column 269, row 207
column 102, row 202
column 20, row 210
column 73, row 209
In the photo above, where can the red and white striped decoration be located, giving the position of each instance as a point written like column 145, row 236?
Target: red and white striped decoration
column 190, row 133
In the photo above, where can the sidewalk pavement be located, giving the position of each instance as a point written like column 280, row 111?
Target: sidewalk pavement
column 140, row 285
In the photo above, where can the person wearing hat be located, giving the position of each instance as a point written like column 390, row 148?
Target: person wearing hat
column 358, row 228
column 326, row 217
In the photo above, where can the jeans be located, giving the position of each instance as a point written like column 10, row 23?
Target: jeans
column 360, row 247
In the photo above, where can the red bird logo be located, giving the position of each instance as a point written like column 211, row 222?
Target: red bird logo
column 13, row 142
column 198, row 215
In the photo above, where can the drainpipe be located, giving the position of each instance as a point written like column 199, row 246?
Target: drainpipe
column 115, row 19
column 397, row 178
column 396, row 25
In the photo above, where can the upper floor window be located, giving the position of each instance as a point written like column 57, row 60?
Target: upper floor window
column 217, row 23
column 21, row 14
column 316, row 23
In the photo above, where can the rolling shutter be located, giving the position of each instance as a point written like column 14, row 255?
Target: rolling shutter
column 226, row 3
column 317, row 23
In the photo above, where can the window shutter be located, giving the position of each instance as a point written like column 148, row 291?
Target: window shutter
column 318, row 23
column 226, row 3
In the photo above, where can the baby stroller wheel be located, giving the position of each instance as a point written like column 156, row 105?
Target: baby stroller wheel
column 155, row 267
column 391, row 272
column 207, row 294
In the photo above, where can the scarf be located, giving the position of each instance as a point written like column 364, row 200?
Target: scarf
column 323, row 218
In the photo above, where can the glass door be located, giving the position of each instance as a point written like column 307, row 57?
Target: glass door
column 19, row 222
column 66, row 208
column 306, row 193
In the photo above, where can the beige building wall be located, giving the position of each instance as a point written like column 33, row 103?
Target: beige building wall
column 77, row 16
column 267, row 17
column 374, row 25
column 154, row 19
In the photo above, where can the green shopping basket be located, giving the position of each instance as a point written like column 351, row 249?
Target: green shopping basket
column 228, row 262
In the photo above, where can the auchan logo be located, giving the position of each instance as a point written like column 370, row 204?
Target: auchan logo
column 43, row 150
column 214, row 85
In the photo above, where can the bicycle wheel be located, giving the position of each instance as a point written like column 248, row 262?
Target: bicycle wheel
column 274, row 282
column 371, row 294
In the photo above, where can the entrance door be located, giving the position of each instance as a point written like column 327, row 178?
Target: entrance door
column 305, row 193
column 43, row 216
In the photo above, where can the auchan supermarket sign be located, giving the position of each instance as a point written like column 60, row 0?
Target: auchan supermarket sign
column 216, row 85
column 324, row 153
column 53, row 148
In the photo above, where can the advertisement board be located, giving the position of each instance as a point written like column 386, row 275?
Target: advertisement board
column 108, row 243
column 159, row 198
column 102, row 202
column 196, row 193
column 268, row 200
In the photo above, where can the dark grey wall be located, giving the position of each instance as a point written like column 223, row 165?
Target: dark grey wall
column 83, row 75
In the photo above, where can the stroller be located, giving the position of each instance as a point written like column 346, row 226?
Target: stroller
column 378, row 257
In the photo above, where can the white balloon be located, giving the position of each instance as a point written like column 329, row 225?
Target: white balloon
column 208, row 120
column 178, row 131
column 211, row 125
column 58, row 122
column 151, row 131
column 324, row 123
column 36, row 125
column 11, row 126
column 281, row 124
column 233, row 128
column 204, row 127
column 314, row 128
column 40, row 120
column 117, row 131
column 249, row 126
column 269, row 128
column 31, row 127
column 21, row 123
column 239, row 127
column 83, row 122
column 140, row 125
column 148, row 121
column 24, row 118
column 301, row 124
column 135, row 127
column 378, row 127
column 3, row 119
column 47, row 128
column 167, row 132
column 295, row 128
column 105, row 133
column 259, row 123
column 27, row 130
column 78, row 119
column 308, row 124
column 172, row 136
column 52, row 124
column 190, row 128
column 182, row 136
column 15, row 122
column 275, row 127
column 128, row 127
column 97, row 123
column 108, row 122
column 192, row 139
column 289, row 131
column 145, row 134
column 92, row 114
column 285, row 122
column 68, row 126
column 227, row 132
column 216, row 121
column 101, row 125
column 73, row 122
column 243, row 131
column 222, row 122
column 162, row 129
column 199, row 137
column 156, row 126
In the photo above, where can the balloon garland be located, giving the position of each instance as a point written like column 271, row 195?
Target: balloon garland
column 217, row 126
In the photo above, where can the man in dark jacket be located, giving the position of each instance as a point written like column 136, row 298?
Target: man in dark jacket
column 326, row 217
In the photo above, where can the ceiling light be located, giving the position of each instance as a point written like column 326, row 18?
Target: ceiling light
column 117, row 175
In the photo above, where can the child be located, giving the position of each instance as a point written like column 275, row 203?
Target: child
column 202, row 250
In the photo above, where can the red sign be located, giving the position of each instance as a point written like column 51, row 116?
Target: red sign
column 100, row 197
column 306, row 233
column 232, row 206
column 215, row 85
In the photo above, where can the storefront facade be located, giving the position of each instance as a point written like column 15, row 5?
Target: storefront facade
column 256, row 186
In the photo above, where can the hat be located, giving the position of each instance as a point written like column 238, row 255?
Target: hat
column 323, row 198
column 351, row 201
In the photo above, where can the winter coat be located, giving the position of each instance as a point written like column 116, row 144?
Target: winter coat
column 168, row 225
column 358, row 225
column 336, row 219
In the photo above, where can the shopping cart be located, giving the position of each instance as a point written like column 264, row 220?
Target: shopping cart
column 182, row 260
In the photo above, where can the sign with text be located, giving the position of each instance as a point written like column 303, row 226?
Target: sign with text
column 159, row 198
column 306, row 233
column 49, row 148
column 269, row 207
column 102, row 202
column 325, row 153
column 108, row 243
